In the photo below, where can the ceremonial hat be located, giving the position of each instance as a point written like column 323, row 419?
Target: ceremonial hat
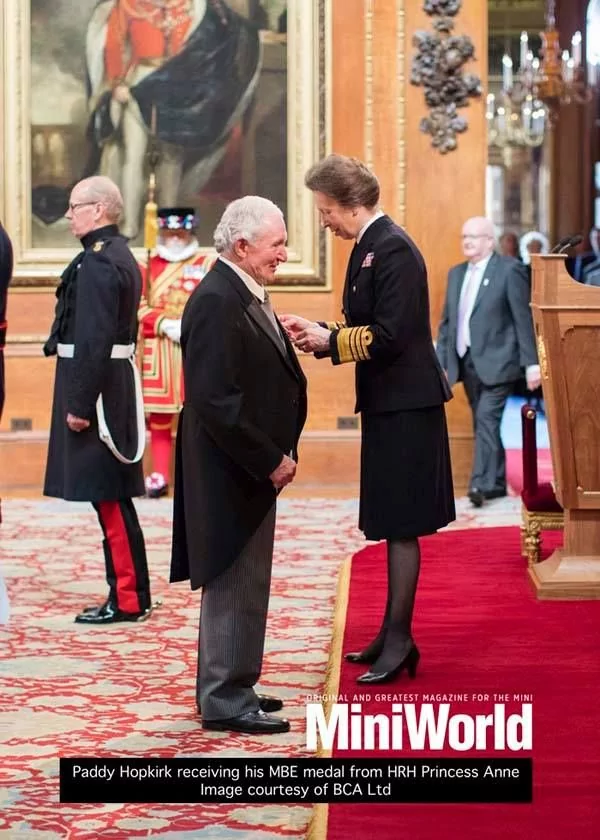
column 176, row 218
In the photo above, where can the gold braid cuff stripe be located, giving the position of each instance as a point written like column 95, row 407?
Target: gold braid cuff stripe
column 352, row 344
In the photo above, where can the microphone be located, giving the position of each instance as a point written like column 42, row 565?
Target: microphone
column 567, row 242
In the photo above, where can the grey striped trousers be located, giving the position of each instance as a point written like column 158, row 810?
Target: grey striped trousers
column 233, row 618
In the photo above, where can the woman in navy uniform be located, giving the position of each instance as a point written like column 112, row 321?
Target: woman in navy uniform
column 406, row 478
column 94, row 335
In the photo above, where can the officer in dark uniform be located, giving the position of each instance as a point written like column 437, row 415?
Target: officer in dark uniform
column 97, row 431
column 406, row 486
column 6, row 266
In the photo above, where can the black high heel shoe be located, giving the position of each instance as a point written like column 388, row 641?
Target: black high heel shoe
column 361, row 658
column 370, row 654
column 410, row 662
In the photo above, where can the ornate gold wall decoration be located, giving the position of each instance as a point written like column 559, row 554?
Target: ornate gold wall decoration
column 438, row 67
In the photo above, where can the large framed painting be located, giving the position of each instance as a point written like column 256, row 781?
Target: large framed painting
column 215, row 98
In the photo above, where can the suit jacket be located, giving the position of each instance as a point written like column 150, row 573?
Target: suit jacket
column 386, row 289
column 502, row 336
column 244, row 409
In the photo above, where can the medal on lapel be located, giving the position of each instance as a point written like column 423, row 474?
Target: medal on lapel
column 368, row 260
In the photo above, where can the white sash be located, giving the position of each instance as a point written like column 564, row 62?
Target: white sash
column 126, row 352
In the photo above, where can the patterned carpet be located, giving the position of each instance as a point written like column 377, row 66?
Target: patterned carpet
column 129, row 689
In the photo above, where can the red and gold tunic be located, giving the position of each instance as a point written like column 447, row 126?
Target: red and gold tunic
column 171, row 284
column 143, row 31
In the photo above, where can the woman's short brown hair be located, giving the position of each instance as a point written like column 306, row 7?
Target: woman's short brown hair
column 345, row 179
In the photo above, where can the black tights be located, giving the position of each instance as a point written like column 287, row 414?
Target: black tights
column 394, row 640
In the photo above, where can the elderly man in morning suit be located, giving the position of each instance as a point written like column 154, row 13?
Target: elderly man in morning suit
column 485, row 339
column 237, row 439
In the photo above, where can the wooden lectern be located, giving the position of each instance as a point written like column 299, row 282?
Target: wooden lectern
column 566, row 316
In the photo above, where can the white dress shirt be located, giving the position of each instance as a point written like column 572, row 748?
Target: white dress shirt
column 259, row 292
column 471, row 286
column 256, row 288
column 374, row 218
column 468, row 295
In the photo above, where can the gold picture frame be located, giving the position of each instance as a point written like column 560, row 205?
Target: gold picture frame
column 24, row 143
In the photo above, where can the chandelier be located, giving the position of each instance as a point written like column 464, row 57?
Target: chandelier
column 531, row 97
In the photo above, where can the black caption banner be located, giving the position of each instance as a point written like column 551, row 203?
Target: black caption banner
column 283, row 780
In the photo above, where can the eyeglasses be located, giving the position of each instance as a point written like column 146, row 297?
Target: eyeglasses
column 74, row 207
column 476, row 236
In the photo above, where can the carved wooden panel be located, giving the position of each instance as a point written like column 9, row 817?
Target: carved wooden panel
column 581, row 355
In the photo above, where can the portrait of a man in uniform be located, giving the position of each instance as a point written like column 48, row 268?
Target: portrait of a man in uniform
column 113, row 80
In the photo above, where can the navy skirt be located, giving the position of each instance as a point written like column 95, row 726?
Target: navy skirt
column 406, row 476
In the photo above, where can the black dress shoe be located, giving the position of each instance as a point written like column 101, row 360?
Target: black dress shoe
column 95, row 608
column 361, row 658
column 494, row 494
column 158, row 492
column 252, row 723
column 269, row 704
column 410, row 662
column 476, row 497
column 156, row 485
column 108, row 613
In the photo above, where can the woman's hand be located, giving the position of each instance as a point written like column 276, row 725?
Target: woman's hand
column 294, row 325
column 313, row 339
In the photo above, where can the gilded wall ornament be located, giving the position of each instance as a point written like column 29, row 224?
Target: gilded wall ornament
column 438, row 65
column 541, row 348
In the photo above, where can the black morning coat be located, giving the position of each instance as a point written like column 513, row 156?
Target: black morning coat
column 245, row 406
column 97, row 303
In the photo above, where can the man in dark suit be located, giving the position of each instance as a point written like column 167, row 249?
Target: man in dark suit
column 245, row 406
column 6, row 267
column 485, row 339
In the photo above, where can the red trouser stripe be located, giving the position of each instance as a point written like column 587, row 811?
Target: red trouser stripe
column 161, row 443
column 120, row 549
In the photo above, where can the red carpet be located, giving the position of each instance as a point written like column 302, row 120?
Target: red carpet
column 514, row 468
column 481, row 630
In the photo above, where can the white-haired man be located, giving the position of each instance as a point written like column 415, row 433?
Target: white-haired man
column 96, row 438
column 244, row 409
column 532, row 242
column 485, row 340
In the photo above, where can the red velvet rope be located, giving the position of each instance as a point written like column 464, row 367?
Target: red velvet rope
column 530, row 467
